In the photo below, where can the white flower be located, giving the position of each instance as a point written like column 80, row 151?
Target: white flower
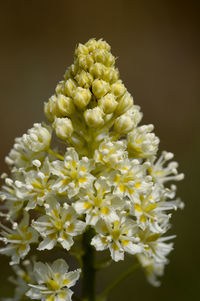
column 131, row 178
column 119, row 236
column 150, row 210
column 155, row 246
column 153, row 260
column 9, row 196
column 60, row 224
column 22, row 156
column 38, row 138
column 98, row 202
column 72, row 173
column 162, row 174
column 112, row 154
column 142, row 143
column 152, row 269
column 54, row 281
column 36, row 186
column 24, row 276
column 18, row 240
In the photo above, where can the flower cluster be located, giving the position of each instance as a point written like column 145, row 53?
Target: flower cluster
column 108, row 178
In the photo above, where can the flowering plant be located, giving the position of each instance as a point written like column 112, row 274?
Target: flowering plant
column 88, row 181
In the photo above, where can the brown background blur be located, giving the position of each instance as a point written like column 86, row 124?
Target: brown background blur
column 157, row 45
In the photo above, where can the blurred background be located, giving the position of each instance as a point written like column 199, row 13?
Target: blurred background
column 157, row 45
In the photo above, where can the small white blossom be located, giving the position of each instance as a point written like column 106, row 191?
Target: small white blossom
column 38, row 138
column 36, row 186
column 23, row 276
column 161, row 173
column 72, row 173
column 18, row 240
column 151, row 268
column 112, row 154
column 22, row 156
column 155, row 245
column 9, row 195
column 54, row 281
column 131, row 178
column 142, row 143
column 154, row 259
column 98, row 202
column 119, row 236
column 60, row 224
column 150, row 211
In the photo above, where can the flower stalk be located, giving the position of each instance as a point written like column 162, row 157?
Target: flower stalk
column 88, row 267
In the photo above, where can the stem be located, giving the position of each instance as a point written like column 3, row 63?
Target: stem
column 88, row 269
column 119, row 279
column 51, row 152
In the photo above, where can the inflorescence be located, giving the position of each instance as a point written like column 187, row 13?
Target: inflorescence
column 92, row 167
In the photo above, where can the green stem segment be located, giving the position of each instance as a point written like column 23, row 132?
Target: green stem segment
column 58, row 156
column 119, row 279
column 88, row 269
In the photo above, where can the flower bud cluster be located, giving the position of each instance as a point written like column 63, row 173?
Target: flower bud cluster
column 108, row 178
column 92, row 93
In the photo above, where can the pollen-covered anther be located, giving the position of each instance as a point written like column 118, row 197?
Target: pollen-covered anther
column 94, row 117
column 81, row 97
column 63, row 128
column 100, row 88
column 108, row 103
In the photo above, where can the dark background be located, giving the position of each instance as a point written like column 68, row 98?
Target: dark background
column 157, row 45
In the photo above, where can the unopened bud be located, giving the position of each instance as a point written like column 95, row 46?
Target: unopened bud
column 100, row 88
column 50, row 109
column 85, row 61
column 108, row 103
column 94, row 117
column 123, row 124
column 118, row 88
column 74, row 69
column 97, row 70
column 125, row 103
column 69, row 87
column 81, row 49
column 103, row 45
column 84, row 79
column 81, row 97
column 104, row 57
column 110, row 75
column 65, row 105
column 91, row 45
column 63, row 128
column 59, row 87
